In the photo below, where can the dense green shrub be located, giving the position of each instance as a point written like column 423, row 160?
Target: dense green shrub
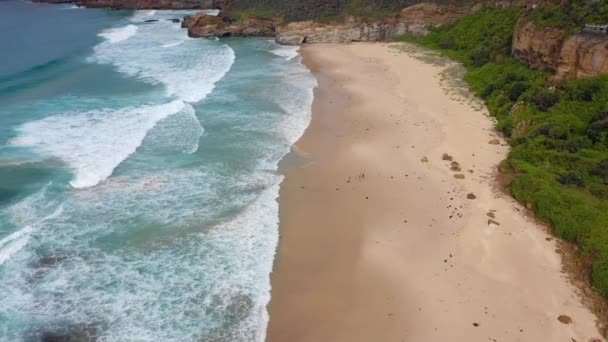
column 545, row 100
column 578, row 143
column 598, row 130
column 584, row 90
column 480, row 56
column 599, row 191
column 601, row 170
column 517, row 89
column 446, row 43
column 571, row 178
column 558, row 132
column 571, row 15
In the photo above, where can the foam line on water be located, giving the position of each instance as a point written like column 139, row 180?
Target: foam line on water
column 177, row 133
column 173, row 44
column 188, row 70
column 94, row 143
column 13, row 243
column 287, row 52
column 115, row 35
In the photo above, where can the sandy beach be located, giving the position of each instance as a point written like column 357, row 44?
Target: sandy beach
column 393, row 227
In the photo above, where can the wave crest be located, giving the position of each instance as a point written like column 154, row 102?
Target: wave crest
column 116, row 35
column 94, row 143
column 163, row 54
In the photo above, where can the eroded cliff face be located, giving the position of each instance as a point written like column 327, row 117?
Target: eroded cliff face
column 579, row 55
column 416, row 20
column 535, row 47
column 421, row 17
column 351, row 31
column 583, row 55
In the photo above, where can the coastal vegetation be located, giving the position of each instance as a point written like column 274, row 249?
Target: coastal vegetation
column 558, row 129
column 571, row 16
column 323, row 10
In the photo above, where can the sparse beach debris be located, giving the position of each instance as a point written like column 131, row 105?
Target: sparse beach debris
column 564, row 319
column 493, row 223
column 494, row 142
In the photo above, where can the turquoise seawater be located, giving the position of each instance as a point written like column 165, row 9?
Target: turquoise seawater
column 138, row 175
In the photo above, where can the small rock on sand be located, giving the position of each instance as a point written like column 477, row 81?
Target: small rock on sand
column 424, row 160
column 493, row 223
column 564, row 319
column 494, row 142
column 459, row 176
column 446, row 157
column 471, row 196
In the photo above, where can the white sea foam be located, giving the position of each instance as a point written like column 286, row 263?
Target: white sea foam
column 212, row 12
column 94, row 143
column 287, row 52
column 188, row 70
column 115, row 35
column 176, row 133
column 173, row 44
column 14, row 242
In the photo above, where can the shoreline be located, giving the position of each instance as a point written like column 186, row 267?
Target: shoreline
column 380, row 236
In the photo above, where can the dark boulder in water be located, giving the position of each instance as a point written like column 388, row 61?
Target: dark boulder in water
column 45, row 263
column 174, row 20
column 50, row 260
column 74, row 333
column 150, row 21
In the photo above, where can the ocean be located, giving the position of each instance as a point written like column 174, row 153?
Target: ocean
column 139, row 175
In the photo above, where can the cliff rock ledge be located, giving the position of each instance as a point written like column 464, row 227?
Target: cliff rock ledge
column 580, row 55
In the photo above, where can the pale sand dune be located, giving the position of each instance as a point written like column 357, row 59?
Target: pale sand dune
column 378, row 239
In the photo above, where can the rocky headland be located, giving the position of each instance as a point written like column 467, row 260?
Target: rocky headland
column 223, row 25
column 416, row 20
